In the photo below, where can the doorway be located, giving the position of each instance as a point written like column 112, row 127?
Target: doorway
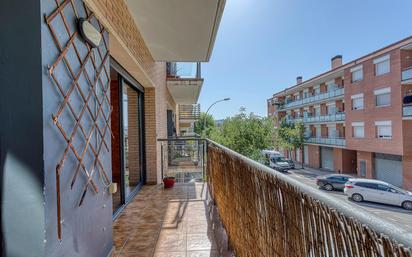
column 128, row 166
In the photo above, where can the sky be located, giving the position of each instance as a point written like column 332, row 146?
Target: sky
column 263, row 45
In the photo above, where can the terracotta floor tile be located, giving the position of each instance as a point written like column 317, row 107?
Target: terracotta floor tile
column 171, row 241
column 208, row 253
column 166, row 223
column 200, row 242
column 170, row 254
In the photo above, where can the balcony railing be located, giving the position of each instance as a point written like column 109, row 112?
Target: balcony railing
column 266, row 213
column 312, row 99
column 327, row 141
column 189, row 112
column 407, row 111
column 326, row 118
column 183, row 70
column 407, row 74
column 317, row 119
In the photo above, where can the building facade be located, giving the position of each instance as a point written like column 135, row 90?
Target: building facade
column 357, row 115
column 85, row 94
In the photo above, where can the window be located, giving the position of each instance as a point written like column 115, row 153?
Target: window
column 383, row 129
column 317, row 110
column 317, row 90
column 367, row 185
column 357, row 102
column 358, row 129
column 383, row 96
column 357, row 73
column 331, row 108
column 382, row 65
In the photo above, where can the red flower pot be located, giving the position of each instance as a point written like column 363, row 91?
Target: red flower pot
column 169, row 182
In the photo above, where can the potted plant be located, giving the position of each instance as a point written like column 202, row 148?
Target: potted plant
column 168, row 181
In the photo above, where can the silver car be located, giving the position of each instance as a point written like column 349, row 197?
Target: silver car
column 377, row 191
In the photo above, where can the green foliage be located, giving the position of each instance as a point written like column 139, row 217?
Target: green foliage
column 205, row 121
column 290, row 135
column 246, row 134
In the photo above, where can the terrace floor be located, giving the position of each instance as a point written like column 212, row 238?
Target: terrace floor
column 166, row 222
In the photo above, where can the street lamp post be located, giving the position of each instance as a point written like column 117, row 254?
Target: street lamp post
column 218, row 101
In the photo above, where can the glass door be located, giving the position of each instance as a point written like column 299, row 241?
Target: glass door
column 132, row 139
column 127, row 142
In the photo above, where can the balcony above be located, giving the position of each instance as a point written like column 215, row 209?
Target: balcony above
column 179, row 30
column 337, row 93
column 189, row 112
column 184, row 82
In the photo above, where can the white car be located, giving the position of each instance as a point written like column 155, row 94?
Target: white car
column 377, row 191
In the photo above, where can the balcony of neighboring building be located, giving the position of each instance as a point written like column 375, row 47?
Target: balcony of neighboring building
column 332, row 141
column 332, row 134
column 184, row 81
column 407, row 102
column 315, row 97
column 333, row 117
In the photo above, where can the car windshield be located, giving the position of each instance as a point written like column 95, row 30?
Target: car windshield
column 280, row 159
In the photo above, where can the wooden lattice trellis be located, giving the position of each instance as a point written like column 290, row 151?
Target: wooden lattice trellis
column 95, row 107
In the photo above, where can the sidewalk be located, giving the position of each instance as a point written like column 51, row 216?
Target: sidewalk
column 312, row 173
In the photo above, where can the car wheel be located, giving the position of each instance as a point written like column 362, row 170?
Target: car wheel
column 357, row 197
column 328, row 187
column 407, row 205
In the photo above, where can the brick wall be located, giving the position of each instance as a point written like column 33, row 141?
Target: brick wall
column 133, row 137
column 371, row 113
column 407, row 172
column 368, row 158
column 314, row 156
column 129, row 49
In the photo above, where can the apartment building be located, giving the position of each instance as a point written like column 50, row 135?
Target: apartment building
column 85, row 95
column 357, row 115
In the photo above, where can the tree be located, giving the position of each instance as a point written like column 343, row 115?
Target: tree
column 204, row 125
column 246, row 134
column 291, row 136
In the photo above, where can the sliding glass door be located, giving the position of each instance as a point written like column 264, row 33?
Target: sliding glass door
column 128, row 170
column 132, row 139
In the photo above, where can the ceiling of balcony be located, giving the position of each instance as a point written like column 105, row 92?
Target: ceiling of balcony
column 178, row 30
column 185, row 91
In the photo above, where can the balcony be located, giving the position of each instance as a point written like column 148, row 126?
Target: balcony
column 407, row 76
column 327, row 141
column 325, row 118
column 241, row 200
column 337, row 117
column 184, row 81
column 189, row 113
column 313, row 99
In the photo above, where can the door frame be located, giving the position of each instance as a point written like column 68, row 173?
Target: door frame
column 124, row 78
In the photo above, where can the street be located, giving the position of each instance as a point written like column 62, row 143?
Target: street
column 395, row 214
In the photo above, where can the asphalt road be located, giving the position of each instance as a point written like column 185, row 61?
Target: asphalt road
column 395, row 214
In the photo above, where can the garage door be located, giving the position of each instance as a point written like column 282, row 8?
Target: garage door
column 389, row 169
column 326, row 156
column 306, row 154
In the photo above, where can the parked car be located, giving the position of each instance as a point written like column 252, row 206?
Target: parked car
column 332, row 181
column 279, row 163
column 377, row 191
